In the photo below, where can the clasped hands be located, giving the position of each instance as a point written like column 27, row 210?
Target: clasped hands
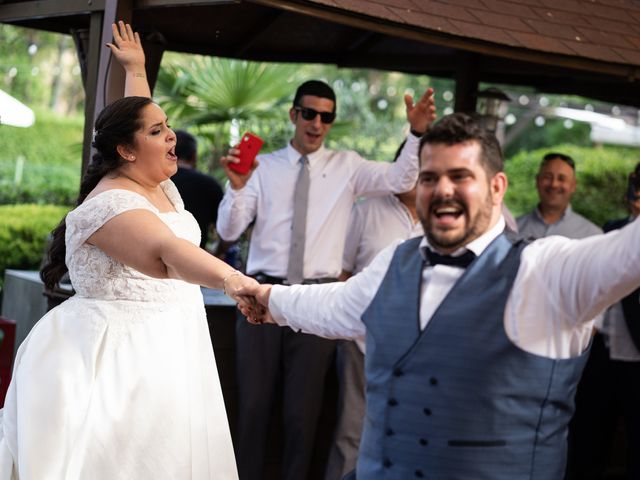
column 252, row 298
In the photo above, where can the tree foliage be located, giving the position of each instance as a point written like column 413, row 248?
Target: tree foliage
column 40, row 69
column 215, row 96
column 41, row 164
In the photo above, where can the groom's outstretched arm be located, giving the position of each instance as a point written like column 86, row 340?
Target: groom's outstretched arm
column 330, row 310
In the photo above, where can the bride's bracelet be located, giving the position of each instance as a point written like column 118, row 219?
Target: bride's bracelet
column 225, row 279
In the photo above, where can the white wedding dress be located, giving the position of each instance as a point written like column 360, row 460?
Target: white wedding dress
column 119, row 381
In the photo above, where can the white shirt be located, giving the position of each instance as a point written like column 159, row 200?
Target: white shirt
column 561, row 285
column 375, row 224
column 337, row 178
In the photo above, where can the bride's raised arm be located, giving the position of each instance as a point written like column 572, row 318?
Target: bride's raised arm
column 127, row 50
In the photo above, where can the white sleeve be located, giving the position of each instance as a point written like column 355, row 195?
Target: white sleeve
column 582, row 278
column 380, row 178
column 237, row 209
column 331, row 310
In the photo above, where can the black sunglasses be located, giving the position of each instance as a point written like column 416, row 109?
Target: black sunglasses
column 311, row 114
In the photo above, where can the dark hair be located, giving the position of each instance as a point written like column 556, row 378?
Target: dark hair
column 186, row 146
column 553, row 155
column 460, row 128
column 633, row 186
column 116, row 125
column 315, row 88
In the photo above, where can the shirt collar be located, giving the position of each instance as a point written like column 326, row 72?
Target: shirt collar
column 477, row 246
column 566, row 213
column 294, row 156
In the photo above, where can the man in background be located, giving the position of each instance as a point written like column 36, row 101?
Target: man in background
column 200, row 193
column 556, row 183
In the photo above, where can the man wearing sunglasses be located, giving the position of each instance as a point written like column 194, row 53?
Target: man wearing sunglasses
column 303, row 182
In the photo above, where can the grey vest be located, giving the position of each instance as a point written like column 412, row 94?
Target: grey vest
column 459, row 400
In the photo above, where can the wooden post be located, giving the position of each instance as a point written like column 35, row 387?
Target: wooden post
column 466, row 83
column 91, row 60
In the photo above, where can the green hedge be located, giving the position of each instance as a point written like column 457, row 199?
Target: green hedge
column 23, row 234
column 49, row 154
column 41, row 184
column 601, row 172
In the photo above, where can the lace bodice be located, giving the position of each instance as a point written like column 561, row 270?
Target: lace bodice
column 96, row 275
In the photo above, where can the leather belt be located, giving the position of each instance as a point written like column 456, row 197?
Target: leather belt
column 264, row 278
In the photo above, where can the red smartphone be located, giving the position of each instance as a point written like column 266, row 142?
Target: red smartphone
column 249, row 147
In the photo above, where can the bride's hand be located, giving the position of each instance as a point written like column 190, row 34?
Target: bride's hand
column 128, row 47
column 237, row 281
column 235, row 286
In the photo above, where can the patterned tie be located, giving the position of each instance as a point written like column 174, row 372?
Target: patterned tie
column 461, row 261
column 299, row 224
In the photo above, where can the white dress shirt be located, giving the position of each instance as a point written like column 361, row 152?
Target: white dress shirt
column 375, row 224
column 561, row 285
column 337, row 179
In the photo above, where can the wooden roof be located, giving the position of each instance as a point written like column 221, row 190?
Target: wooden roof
column 607, row 31
column 584, row 47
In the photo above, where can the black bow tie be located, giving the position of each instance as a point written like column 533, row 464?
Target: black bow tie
column 461, row 261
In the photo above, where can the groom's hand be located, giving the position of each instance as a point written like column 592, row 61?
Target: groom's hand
column 253, row 311
column 256, row 313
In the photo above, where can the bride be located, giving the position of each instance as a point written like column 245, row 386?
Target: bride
column 120, row 381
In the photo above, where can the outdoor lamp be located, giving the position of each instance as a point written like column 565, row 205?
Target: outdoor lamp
column 492, row 105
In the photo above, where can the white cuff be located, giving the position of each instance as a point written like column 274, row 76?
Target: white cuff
column 275, row 311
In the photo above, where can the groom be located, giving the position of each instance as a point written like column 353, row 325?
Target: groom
column 475, row 341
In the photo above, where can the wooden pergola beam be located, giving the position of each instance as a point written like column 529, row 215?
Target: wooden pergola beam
column 15, row 12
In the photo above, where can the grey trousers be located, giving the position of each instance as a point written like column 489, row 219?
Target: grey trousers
column 351, row 405
column 269, row 357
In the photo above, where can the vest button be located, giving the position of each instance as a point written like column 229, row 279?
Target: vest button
column 433, row 381
column 426, row 411
column 398, row 372
column 419, row 474
column 424, row 442
column 386, row 463
column 389, row 432
column 392, row 402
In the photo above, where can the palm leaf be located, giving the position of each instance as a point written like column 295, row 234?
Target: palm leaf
column 205, row 90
